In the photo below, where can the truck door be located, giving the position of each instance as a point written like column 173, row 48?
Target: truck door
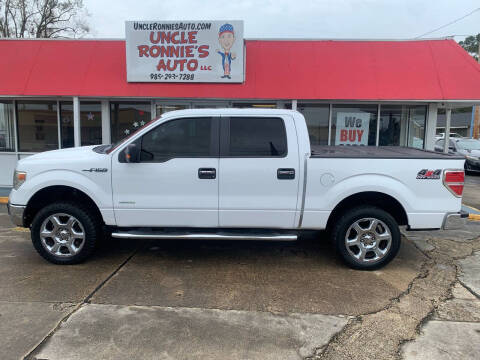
column 258, row 172
column 176, row 181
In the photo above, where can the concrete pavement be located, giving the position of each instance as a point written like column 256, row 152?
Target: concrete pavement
column 150, row 332
column 471, row 195
column 239, row 300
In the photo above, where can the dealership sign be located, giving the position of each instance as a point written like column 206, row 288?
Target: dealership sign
column 352, row 128
column 187, row 51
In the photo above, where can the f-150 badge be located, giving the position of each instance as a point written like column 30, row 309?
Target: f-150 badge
column 100, row 170
column 429, row 174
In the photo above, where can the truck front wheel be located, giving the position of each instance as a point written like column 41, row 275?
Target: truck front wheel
column 64, row 233
column 366, row 237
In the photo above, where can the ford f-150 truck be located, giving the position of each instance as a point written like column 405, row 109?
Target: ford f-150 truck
column 247, row 174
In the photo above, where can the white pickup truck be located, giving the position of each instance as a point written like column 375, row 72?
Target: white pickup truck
column 248, row 174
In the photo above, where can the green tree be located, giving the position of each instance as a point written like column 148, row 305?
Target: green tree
column 470, row 44
column 42, row 18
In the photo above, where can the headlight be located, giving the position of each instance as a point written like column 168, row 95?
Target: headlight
column 19, row 178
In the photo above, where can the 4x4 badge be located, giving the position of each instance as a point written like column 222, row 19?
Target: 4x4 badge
column 429, row 174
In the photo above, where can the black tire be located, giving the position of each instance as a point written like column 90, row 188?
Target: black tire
column 90, row 226
column 344, row 224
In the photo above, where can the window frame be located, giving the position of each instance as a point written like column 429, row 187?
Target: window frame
column 18, row 126
column 10, row 126
column 214, row 141
column 114, row 120
column 225, row 138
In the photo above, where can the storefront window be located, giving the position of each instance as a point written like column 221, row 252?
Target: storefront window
column 7, row 134
column 66, row 125
column 391, row 119
column 91, row 123
column 316, row 116
column 416, row 126
column 354, row 125
column 164, row 108
column 207, row 105
column 255, row 105
column 128, row 117
column 37, row 125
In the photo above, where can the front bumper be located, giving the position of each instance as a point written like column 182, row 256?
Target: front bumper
column 455, row 221
column 16, row 213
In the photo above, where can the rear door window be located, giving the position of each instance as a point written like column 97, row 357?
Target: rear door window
column 255, row 137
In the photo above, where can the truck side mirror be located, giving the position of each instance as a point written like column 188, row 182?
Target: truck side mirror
column 131, row 154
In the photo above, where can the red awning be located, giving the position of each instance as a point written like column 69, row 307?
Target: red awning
column 330, row 70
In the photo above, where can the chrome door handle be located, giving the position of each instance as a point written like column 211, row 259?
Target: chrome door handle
column 286, row 174
column 207, row 173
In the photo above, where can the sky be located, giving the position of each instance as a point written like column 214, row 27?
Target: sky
column 347, row 19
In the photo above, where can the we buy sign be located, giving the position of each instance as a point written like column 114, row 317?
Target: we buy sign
column 352, row 128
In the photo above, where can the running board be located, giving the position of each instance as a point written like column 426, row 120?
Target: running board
column 164, row 235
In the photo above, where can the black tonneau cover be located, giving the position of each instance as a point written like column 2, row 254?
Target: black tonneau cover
column 380, row 152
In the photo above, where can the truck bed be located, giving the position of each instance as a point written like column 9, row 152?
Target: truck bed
column 380, row 152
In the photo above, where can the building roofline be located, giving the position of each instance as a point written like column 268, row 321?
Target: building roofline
column 247, row 39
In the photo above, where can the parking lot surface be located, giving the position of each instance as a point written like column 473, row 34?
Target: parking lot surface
column 236, row 300
column 471, row 195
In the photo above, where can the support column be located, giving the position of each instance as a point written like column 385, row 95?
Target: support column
column 447, row 130
column 106, row 133
column 377, row 134
column 476, row 122
column 294, row 104
column 76, row 122
column 153, row 109
column 431, row 127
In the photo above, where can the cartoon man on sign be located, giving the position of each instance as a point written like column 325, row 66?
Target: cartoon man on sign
column 226, row 38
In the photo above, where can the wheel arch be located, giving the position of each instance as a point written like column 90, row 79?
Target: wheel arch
column 371, row 198
column 55, row 193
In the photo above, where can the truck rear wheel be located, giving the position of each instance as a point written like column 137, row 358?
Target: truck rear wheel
column 64, row 233
column 366, row 237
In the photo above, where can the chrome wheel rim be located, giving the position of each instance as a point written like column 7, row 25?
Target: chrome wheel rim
column 368, row 240
column 62, row 235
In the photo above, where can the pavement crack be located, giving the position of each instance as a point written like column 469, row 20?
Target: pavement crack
column 383, row 333
column 469, row 289
column 112, row 274
column 31, row 354
column 86, row 300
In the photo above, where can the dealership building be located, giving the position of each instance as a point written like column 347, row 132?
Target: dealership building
column 62, row 93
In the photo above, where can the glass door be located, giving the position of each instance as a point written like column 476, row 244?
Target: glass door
column 416, row 126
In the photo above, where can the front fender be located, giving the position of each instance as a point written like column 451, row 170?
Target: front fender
column 101, row 195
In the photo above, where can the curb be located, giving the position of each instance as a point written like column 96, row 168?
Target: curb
column 3, row 199
column 474, row 213
column 474, row 217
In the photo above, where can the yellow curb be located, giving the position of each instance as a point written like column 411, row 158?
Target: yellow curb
column 474, row 217
column 21, row 229
column 471, row 207
column 3, row 199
